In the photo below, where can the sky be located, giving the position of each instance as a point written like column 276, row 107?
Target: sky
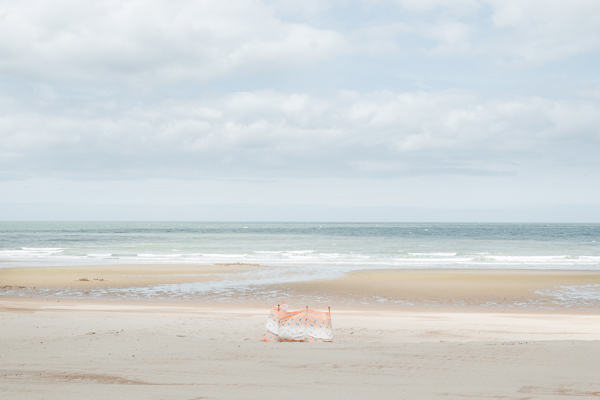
column 341, row 110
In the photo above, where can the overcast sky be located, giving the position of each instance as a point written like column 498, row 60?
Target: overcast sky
column 294, row 110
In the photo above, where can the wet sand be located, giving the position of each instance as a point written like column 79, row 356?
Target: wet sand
column 122, row 275
column 563, row 291
column 201, row 348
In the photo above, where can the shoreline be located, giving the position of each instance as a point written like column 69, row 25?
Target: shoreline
column 544, row 291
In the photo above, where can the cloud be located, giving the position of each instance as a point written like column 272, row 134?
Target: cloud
column 452, row 6
column 539, row 31
column 269, row 133
column 155, row 40
column 524, row 32
column 287, row 102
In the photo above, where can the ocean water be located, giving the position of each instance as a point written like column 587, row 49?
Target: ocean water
column 320, row 246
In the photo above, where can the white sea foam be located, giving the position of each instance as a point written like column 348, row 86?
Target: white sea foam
column 52, row 249
column 435, row 254
column 57, row 256
column 30, row 252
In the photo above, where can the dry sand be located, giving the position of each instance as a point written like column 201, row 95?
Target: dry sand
column 90, row 349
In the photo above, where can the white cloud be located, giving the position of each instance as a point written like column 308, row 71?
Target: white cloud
column 450, row 37
column 304, row 97
column 542, row 30
column 156, row 42
column 152, row 40
column 526, row 32
column 270, row 133
column 453, row 6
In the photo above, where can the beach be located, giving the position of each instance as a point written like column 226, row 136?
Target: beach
column 397, row 334
column 500, row 290
column 312, row 200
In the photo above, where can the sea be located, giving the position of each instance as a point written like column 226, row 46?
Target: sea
column 324, row 245
column 305, row 250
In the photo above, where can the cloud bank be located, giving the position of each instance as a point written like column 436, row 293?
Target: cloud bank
column 354, row 90
column 270, row 133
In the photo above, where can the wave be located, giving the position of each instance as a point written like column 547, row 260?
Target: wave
column 25, row 252
column 434, row 254
column 408, row 260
